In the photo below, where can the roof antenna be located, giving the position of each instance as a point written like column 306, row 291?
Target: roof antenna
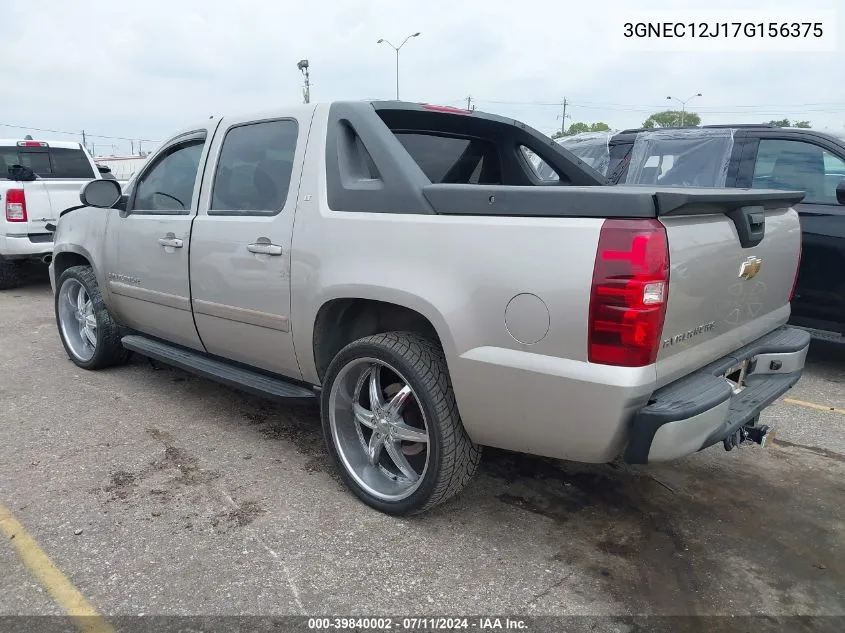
column 28, row 137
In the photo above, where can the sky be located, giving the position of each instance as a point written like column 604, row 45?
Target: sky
column 143, row 70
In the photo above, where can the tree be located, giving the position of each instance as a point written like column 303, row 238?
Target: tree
column 579, row 127
column 787, row 123
column 671, row 118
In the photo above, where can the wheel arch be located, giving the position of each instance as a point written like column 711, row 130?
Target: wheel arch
column 66, row 256
column 343, row 319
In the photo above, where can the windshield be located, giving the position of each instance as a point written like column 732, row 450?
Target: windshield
column 681, row 158
column 591, row 147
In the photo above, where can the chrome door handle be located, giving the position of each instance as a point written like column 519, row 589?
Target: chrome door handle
column 264, row 248
column 174, row 242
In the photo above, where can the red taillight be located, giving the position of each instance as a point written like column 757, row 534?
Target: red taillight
column 32, row 144
column 797, row 268
column 629, row 293
column 15, row 205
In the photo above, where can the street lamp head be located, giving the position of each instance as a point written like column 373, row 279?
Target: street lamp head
column 380, row 41
column 302, row 65
column 416, row 34
column 698, row 94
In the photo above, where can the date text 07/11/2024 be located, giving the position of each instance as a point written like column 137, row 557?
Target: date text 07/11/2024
column 479, row 623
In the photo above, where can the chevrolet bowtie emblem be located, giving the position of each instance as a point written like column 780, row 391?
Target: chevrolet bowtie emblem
column 750, row 267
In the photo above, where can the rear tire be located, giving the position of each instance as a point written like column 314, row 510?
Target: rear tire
column 10, row 274
column 90, row 336
column 409, row 452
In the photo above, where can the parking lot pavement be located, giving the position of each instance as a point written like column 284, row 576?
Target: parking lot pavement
column 160, row 493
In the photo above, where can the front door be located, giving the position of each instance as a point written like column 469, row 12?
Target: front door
column 782, row 163
column 149, row 244
column 241, row 241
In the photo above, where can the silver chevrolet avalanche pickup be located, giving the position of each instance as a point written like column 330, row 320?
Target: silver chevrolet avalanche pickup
column 440, row 280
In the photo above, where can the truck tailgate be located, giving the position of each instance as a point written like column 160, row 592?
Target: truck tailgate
column 63, row 195
column 733, row 258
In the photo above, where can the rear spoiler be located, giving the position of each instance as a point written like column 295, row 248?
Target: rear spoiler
column 709, row 201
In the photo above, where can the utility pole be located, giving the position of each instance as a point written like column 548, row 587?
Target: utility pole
column 469, row 104
column 563, row 117
column 84, row 143
column 133, row 148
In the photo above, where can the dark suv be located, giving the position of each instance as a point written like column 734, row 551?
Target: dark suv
column 749, row 156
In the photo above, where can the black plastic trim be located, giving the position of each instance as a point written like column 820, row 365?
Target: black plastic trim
column 398, row 187
column 530, row 201
column 705, row 389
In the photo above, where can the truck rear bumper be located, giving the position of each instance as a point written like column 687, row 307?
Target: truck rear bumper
column 25, row 246
column 703, row 408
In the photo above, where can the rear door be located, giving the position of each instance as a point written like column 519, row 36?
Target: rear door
column 815, row 165
column 241, row 241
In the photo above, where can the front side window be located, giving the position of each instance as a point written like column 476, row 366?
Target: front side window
column 168, row 186
column 798, row 166
column 255, row 167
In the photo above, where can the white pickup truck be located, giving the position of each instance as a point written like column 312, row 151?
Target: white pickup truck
column 38, row 179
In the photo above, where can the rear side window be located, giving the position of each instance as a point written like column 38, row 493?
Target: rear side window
column 55, row 162
column 254, row 169
column 452, row 159
column 681, row 158
column 70, row 163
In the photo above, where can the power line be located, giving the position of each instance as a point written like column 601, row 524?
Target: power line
column 87, row 134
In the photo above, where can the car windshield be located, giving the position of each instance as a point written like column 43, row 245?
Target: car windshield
column 681, row 158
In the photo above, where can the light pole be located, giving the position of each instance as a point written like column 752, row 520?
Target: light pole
column 684, row 104
column 306, row 90
column 397, row 49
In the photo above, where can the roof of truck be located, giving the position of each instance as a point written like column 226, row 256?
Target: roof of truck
column 12, row 142
column 837, row 136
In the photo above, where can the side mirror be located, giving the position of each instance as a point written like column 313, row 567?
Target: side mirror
column 840, row 192
column 100, row 193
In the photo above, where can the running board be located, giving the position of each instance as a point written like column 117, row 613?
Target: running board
column 220, row 371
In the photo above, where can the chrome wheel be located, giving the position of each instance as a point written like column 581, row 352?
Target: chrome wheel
column 77, row 320
column 379, row 429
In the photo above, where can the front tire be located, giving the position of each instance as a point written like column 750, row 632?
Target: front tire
column 89, row 334
column 391, row 423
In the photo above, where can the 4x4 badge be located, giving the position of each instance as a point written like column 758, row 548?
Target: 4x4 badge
column 750, row 267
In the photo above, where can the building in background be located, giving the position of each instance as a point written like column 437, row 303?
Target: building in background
column 122, row 167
